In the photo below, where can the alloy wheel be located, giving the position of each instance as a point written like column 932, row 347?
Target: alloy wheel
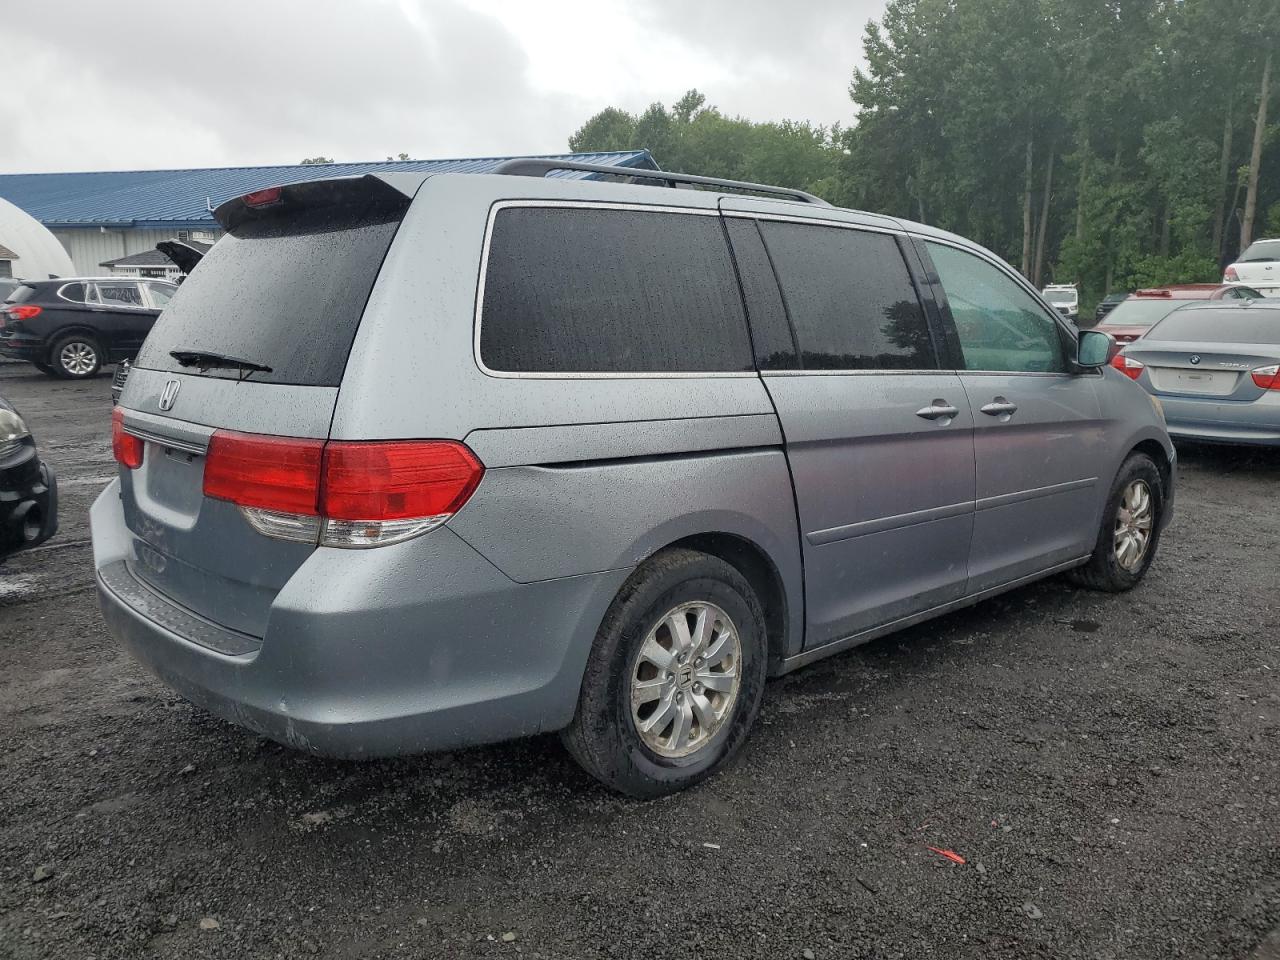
column 78, row 358
column 1134, row 522
column 685, row 680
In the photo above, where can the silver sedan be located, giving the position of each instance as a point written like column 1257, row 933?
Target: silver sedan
column 1215, row 368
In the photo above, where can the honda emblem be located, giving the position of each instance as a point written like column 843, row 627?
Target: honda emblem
column 169, row 394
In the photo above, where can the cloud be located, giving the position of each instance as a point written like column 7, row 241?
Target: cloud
column 159, row 84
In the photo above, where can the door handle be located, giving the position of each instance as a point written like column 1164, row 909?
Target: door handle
column 938, row 410
column 1000, row 407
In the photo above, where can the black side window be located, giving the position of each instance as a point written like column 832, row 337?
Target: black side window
column 850, row 298
column 588, row 290
column 73, row 292
column 767, row 317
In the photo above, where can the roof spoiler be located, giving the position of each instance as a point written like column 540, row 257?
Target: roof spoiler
column 540, row 167
column 378, row 193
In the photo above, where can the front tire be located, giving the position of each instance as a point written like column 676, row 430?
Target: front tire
column 675, row 676
column 76, row 357
column 1130, row 531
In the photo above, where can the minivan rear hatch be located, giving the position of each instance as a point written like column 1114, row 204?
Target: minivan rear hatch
column 254, row 342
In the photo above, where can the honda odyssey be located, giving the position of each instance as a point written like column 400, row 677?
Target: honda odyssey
column 415, row 462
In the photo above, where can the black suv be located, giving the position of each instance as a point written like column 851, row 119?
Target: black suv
column 72, row 326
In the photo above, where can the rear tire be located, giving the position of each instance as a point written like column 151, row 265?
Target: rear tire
column 76, row 356
column 1130, row 532
column 699, row 705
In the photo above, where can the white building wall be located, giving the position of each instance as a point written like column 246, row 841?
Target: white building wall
column 38, row 253
column 91, row 246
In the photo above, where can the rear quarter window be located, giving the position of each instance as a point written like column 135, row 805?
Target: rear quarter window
column 590, row 290
column 74, row 292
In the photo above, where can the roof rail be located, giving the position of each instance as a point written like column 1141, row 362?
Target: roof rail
column 540, row 168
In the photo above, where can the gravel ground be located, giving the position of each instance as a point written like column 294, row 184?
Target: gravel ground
column 1106, row 766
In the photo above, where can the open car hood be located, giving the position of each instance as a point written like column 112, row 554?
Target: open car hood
column 185, row 255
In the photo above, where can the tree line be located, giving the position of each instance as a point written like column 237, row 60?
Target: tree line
column 1111, row 143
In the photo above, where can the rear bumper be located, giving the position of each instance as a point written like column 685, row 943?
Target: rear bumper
column 28, row 505
column 1210, row 421
column 30, row 349
column 414, row 647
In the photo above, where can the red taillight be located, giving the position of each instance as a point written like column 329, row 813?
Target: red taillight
column 1130, row 367
column 1268, row 378
column 262, row 198
column 272, row 473
column 125, row 447
column 1231, row 276
column 360, row 493
column 23, row 311
column 397, row 480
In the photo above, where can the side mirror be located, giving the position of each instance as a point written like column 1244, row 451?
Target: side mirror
column 1095, row 349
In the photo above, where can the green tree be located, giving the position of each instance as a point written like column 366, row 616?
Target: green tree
column 693, row 137
column 1111, row 143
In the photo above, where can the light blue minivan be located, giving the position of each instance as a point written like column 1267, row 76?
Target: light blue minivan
column 414, row 462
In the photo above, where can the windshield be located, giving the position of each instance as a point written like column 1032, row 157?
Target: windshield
column 1264, row 251
column 1060, row 296
column 1142, row 313
column 1242, row 325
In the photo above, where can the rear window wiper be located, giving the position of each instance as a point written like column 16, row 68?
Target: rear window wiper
column 210, row 361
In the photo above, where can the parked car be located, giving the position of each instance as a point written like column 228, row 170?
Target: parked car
column 28, row 489
column 1065, row 299
column 658, row 471
column 1136, row 314
column 72, row 326
column 1106, row 305
column 7, row 286
column 118, row 380
column 1258, row 268
column 1215, row 368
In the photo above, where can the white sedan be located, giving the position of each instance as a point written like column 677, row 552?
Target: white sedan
column 1258, row 267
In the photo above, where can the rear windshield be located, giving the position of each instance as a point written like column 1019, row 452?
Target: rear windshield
column 1243, row 325
column 1264, row 251
column 21, row 294
column 286, row 292
column 1142, row 313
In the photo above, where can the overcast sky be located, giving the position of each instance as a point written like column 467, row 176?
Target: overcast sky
column 169, row 83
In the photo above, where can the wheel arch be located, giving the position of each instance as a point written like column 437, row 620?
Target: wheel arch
column 1156, row 451
column 72, row 329
column 759, row 569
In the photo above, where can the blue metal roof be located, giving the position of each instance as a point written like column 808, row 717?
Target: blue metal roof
column 161, row 199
